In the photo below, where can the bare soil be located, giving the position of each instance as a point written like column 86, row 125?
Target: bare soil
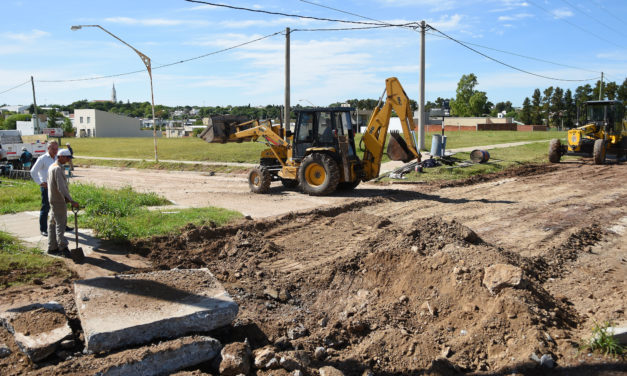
column 389, row 280
column 37, row 321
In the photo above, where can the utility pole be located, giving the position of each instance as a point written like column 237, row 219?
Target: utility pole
column 601, row 87
column 421, row 104
column 36, row 119
column 286, row 111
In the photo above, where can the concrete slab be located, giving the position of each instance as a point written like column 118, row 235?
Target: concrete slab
column 163, row 358
column 37, row 328
column 135, row 309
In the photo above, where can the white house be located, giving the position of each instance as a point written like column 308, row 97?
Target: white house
column 96, row 123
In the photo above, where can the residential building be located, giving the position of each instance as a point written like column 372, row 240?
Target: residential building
column 96, row 123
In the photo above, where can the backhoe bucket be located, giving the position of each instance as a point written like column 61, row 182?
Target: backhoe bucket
column 397, row 148
column 221, row 128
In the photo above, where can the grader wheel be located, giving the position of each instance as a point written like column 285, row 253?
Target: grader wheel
column 555, row 150
column 318, row 174
column 599, row 151
column 259, row 180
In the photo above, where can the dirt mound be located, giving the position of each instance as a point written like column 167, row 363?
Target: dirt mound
column 524, row 170
column 377, row 295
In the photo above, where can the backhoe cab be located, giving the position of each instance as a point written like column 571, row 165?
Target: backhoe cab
column 605, row 132
column 319, row 156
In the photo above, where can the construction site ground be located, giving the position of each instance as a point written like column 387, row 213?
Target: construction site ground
column 390, row 278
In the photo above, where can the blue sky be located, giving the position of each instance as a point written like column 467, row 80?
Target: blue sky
column 329, row 66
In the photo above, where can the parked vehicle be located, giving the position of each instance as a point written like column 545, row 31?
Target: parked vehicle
column 11, row 145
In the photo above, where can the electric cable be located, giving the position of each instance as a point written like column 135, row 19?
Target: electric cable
column 346, row 28
column 285, row 14
column 508, row 65
column 590, row 16
column 168, row 64
column 576, row 26
column 14, row 87
column 608, row 12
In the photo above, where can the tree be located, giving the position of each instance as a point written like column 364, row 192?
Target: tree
column 570, row 111
column 525, row 115
column 468, row 101
column 610, row 90
column 557, row 106
column 582, row 95
column 536, row 110
column 546, row 103
column 10, row 121
column 621, row 93
column 67, row 126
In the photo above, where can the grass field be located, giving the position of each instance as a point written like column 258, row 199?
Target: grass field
column 19, row 264
column 195, row 149
column 116, row 214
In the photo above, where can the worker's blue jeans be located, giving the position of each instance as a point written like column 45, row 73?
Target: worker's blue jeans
column 45, row 208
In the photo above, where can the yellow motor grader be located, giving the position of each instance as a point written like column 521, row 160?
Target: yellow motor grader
column 319, row 156
column 605, row 132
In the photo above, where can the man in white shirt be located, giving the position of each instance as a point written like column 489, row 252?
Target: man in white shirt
column 39, row 173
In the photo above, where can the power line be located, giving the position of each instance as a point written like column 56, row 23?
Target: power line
column 169, row 64
column 14, row 87
column 505, row 64
column 575, row 25
column 608, row 12
column 590, row 16
column 463, row 44
column 520, row 55
column 347, row 28
column 287, row 14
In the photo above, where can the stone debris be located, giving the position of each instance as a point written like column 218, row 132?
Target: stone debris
column 330, row 371
column 38, row 329
column 135, row 309
column 294, row 360
column 320, row 353
column 297, row 332
column 263, row 356
column 619, row 334
column 163, row 358
column 4, row 350
column 235, row 359
column 499, row 276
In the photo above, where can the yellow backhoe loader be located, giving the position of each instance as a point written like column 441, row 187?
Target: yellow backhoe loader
column 319, row 156
column 605, row 132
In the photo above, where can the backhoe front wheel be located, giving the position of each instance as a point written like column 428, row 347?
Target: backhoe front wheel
column 259, row 180
column 318, row 174
column 555, row 150
column 599, row 151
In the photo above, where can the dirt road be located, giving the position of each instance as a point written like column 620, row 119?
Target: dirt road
column 392, row 279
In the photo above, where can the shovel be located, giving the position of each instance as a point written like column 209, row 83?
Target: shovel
column 77, row 254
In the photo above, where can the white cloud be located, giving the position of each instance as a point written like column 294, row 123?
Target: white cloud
column 155, row 21
column 515, row 17
column 26, row 37
column 432, row 5
column 562, row 13
column 448, row 22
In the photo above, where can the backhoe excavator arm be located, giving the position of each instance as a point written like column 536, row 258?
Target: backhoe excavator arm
column 376, row 132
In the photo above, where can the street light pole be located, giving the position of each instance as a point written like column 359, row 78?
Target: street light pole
column 146, row 61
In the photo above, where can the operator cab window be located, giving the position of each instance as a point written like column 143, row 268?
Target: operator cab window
column 305, row 128
column 325, row 128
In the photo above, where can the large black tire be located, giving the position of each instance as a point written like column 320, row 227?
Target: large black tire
column 318, row 175
column 555, row 150
column 289, row 183
column 599, row 151
column 259, row 180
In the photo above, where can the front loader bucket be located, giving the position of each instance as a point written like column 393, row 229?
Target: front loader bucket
column 397, row 148
column 220, row 128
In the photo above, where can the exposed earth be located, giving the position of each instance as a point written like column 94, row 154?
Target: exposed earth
column 394, row 279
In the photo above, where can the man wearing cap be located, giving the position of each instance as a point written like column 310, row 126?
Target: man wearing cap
column 26, row 158
column 71, row 152
column 39, row 173
column 59, row 196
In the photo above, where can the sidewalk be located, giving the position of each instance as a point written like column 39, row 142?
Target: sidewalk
column 102, row 258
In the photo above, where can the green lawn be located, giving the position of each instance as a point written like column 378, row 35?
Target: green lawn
column 19, row 264
column 195, row 149
column 116, row 214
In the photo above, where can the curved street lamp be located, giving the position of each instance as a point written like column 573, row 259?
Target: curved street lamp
column 146, row 61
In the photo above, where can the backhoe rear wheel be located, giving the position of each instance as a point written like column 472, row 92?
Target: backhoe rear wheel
column 555, row 150
column 259, row 180
column 318, row 174
column 599, row 151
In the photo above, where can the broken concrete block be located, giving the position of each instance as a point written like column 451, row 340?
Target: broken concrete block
column 619, row 334
column 499, row 276
column 37, row 328
column 235, row 359
column 135, row 309
column 263, row 356
column 163, row 358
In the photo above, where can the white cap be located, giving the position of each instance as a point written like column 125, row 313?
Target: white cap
column 64, row 153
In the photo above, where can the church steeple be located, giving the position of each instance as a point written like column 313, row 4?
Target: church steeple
column 114, row 98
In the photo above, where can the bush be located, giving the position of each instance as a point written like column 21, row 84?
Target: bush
column 604, row 341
